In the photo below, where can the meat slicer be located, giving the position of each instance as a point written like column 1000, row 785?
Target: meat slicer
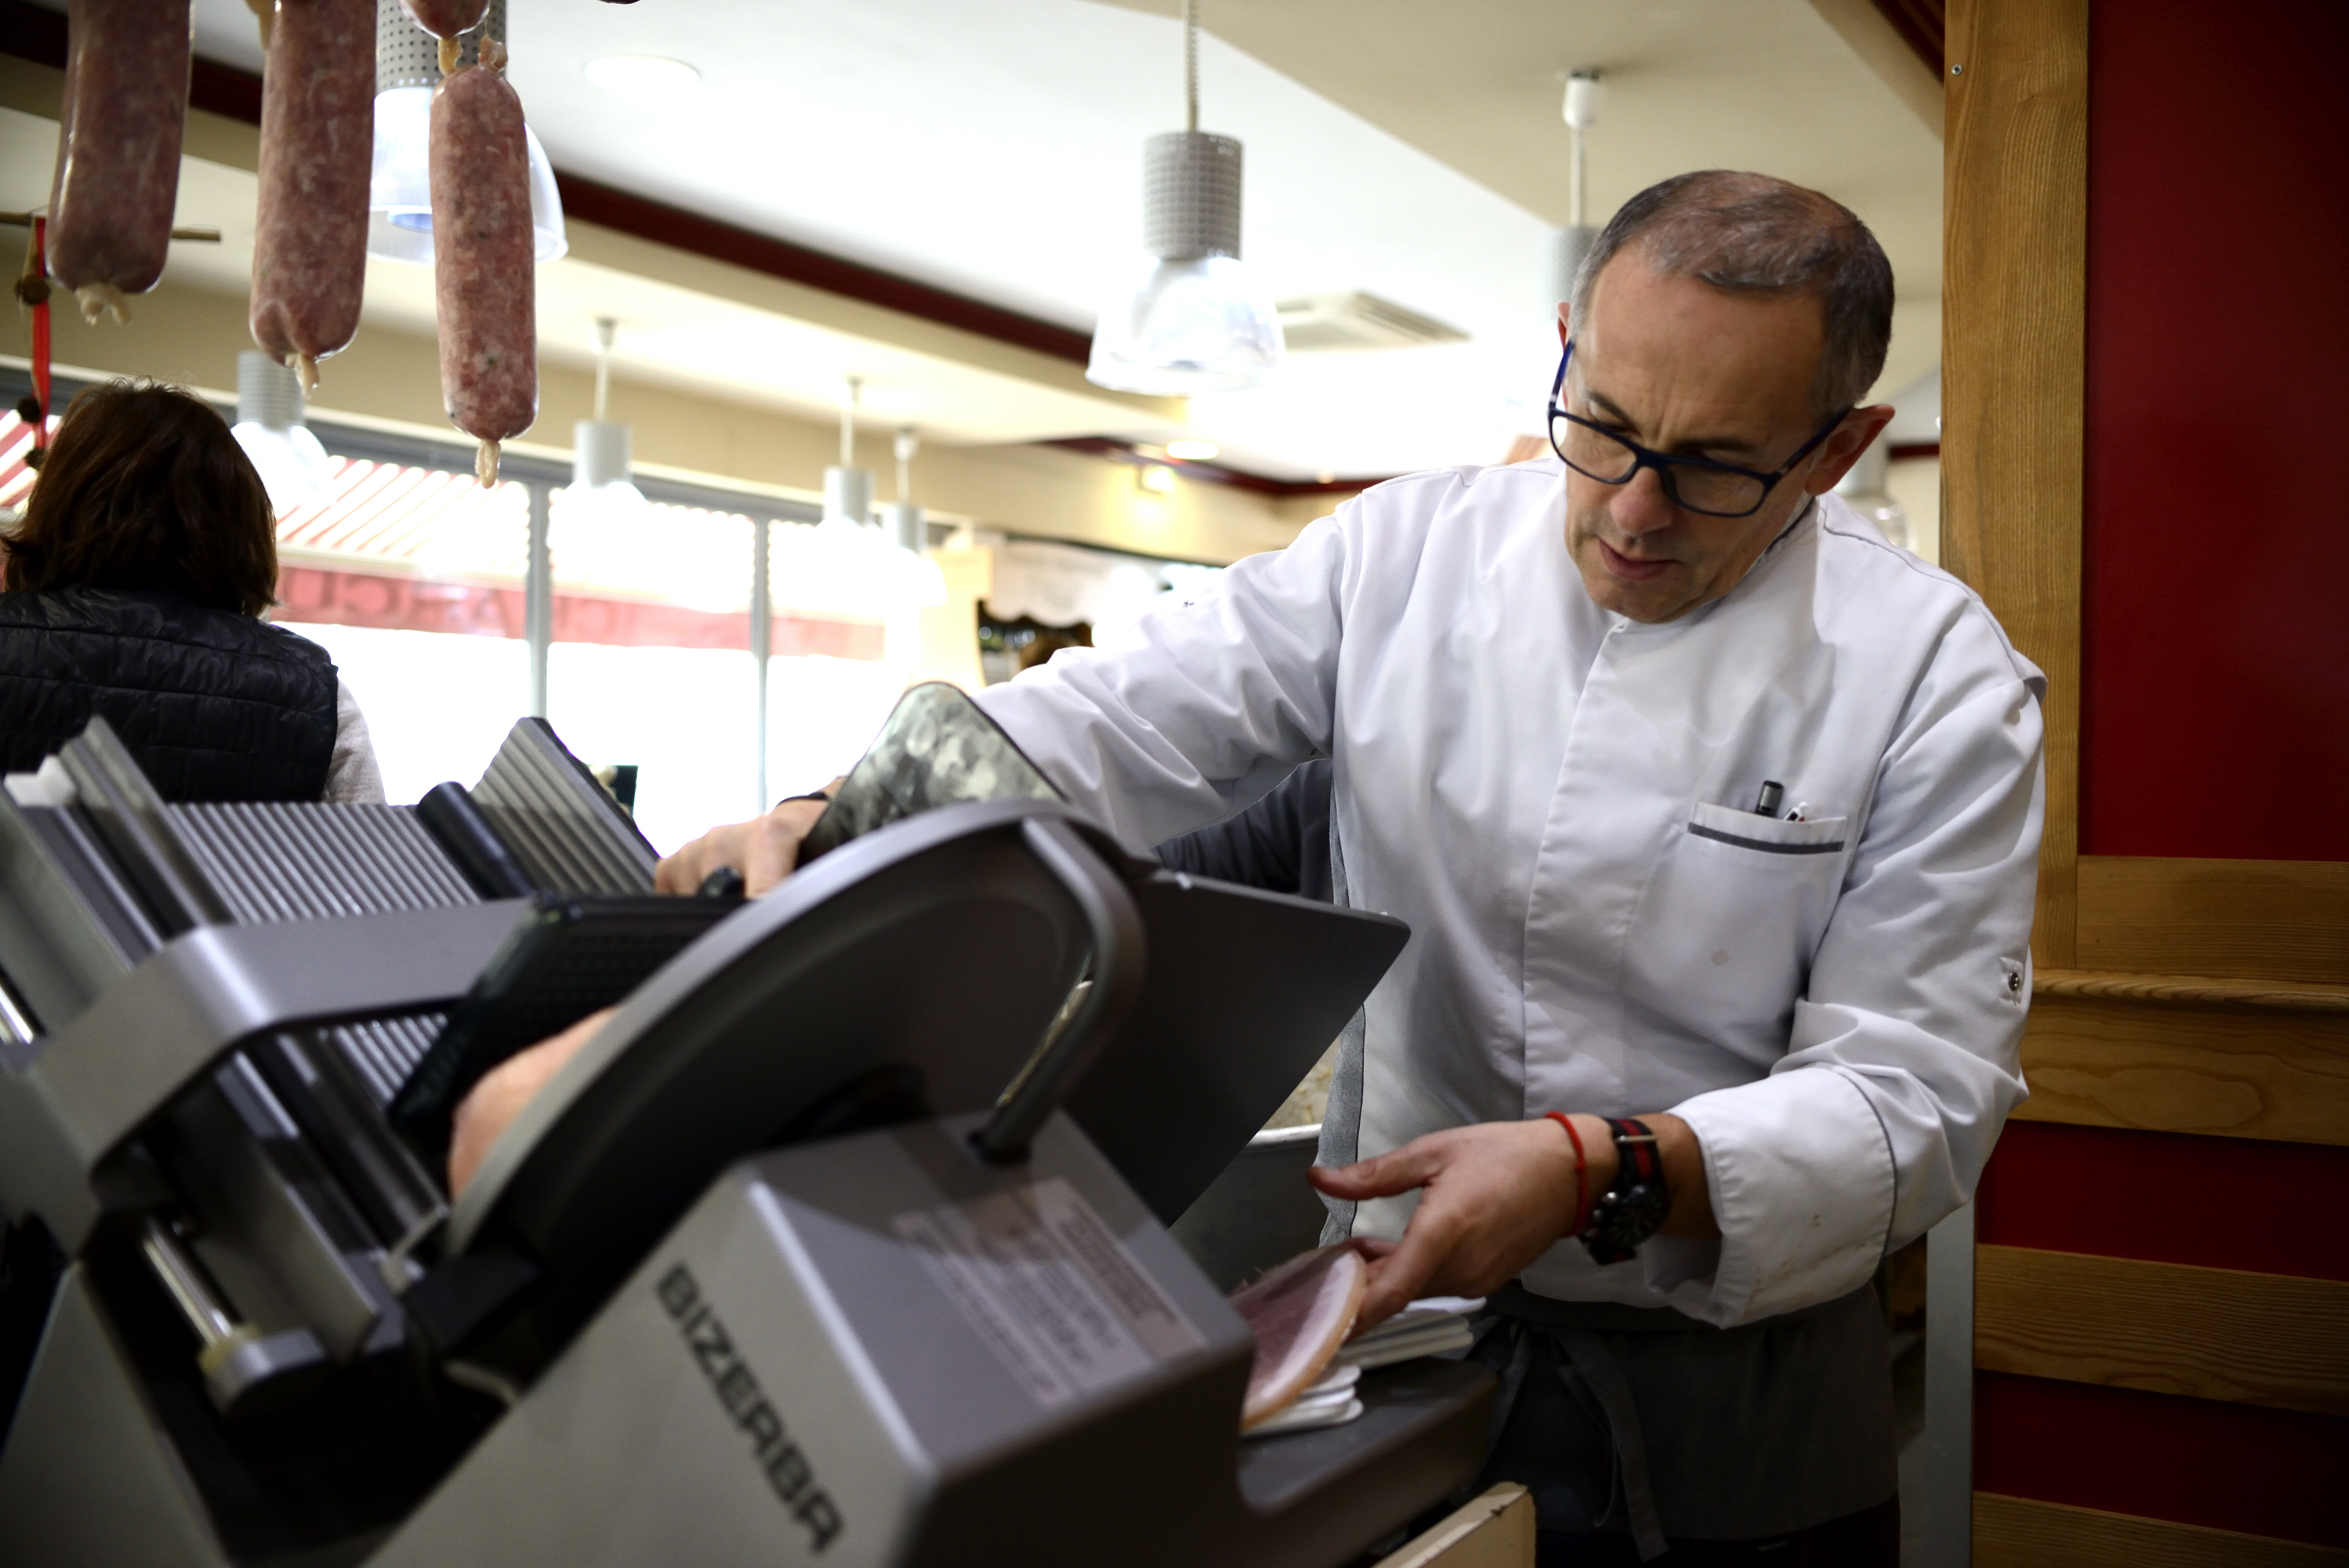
column 843, row 1242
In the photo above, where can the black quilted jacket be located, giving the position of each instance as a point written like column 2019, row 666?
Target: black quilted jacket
column 215, row 705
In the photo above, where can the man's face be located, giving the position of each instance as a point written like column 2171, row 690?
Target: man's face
column 1690, row 370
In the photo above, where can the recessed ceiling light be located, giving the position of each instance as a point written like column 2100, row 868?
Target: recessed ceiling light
column 1192, row 451
column 649, row 78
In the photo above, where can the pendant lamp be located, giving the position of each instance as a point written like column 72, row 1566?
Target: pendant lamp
column 1192, row 318
column 399, row 195
column 909, row 530
column 600, row 487
column 1571, row 244
column 846, row 561
column 295, row 469
column 847, row 489
column 908, row 527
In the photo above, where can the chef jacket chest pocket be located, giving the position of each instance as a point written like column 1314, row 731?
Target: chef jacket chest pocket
column 1724, row 936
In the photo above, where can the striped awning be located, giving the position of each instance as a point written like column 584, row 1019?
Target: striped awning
column 390, row 513
column 16, row 478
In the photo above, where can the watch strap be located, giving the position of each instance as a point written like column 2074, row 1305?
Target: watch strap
column 1633, row 1209
column 1635, row 1141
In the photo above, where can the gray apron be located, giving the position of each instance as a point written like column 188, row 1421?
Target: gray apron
column 1641, row 1420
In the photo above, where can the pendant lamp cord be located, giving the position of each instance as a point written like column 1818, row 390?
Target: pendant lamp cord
column 606, row 326
column 1191, row 65
column 1580, row 167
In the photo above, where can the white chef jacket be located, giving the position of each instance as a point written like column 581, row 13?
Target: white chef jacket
column 1558, row 801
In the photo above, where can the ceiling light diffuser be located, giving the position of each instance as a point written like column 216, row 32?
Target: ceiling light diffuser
column 295, row 469
column 1191, row 318
column 645, row 78
column 601, row 493
column 1570, row 246
column 399, row 193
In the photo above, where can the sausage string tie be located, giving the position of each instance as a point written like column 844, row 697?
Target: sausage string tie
column 98, row 299
column 33, row 293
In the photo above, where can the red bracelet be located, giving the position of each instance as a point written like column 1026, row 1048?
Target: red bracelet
column 1581, row 1168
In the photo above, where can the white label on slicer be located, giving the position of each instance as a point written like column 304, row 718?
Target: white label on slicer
column 1050, row 1287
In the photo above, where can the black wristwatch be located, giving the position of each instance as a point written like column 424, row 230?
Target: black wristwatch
column 1632, row 1210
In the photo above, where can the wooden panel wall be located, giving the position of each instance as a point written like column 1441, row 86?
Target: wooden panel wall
column 2027, row 1533
column 2168, row 1328
column 2161, row 1291
column 2013, row 334
column 2268, row 920
column 2169, row 1055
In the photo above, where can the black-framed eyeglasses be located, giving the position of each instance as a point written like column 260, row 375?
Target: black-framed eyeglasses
column 1694, row 484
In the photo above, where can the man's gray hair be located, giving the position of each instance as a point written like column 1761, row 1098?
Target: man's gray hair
column 1752, row 233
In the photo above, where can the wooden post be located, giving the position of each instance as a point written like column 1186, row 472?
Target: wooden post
column 2014, row 370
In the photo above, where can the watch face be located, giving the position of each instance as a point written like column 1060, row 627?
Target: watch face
column 1644, row 1208
column 1625, row 1220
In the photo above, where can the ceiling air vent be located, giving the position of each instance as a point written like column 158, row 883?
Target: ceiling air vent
column 1343, row 322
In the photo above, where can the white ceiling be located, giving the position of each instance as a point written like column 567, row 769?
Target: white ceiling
column 995, row 151
column 675, row 336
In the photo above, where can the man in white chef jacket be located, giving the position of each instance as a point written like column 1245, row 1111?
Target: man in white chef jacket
column 1706, row 806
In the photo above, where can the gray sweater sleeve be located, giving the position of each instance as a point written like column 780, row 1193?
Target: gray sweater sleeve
column 352, row 777
column 1281, row 843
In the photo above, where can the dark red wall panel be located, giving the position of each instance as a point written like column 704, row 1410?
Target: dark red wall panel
column 2215, row 717
column 2168, row 1197
column 2196, row 1462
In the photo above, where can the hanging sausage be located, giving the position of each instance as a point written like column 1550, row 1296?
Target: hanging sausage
column 317, row 140
column 117, row 179
column 483, row 257
column 444, row 19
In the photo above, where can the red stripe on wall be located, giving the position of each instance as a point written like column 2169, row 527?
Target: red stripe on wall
column 2168, row 1197
column 413, row 604
column 2195, row 1461
column 2215, row 643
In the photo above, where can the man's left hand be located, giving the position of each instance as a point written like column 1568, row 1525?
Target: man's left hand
column 1492, row 1197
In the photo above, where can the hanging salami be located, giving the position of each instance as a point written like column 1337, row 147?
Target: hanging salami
column 444, row 19
column 483, row 257
column 317, row 138
column 117, row 179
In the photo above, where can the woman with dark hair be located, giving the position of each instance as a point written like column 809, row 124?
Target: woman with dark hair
column 135, row 586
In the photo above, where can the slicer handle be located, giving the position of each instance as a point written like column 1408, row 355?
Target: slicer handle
column 1120, row 952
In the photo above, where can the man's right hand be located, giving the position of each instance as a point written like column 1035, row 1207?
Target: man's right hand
column 764, row 850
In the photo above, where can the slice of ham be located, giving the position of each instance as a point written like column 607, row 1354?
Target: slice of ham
column 1300, row 1313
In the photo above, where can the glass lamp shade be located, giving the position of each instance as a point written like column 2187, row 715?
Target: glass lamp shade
column 1181, row 327
column 616, row 505
column 919, row 580
column 849, row 568
column 294, row 467
column 399, row 194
